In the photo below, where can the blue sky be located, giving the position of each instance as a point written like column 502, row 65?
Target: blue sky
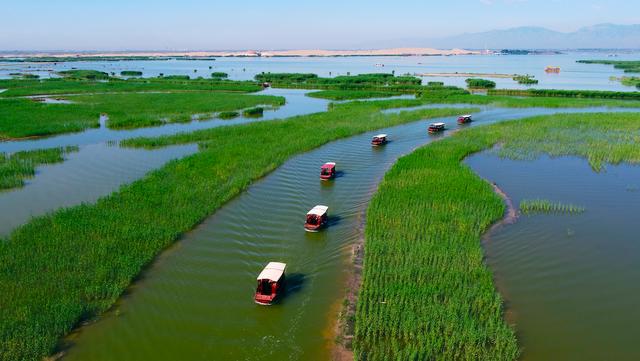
column 280, row 24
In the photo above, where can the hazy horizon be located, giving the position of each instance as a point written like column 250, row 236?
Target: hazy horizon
column 198, row 25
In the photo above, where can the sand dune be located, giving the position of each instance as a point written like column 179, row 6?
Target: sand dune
column 264, row 53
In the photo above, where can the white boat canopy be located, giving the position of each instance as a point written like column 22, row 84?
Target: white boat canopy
column 330, row 163
column 318, row 210
column 273, row 271
column 467, row 116
column 438, row 124
column 380, row 136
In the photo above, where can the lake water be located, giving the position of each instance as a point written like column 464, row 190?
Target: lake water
column 572, row 76
column 569, row 281
column 196, row 300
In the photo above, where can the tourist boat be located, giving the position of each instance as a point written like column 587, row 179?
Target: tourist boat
column 463, row 119
column 328, row 171
column 436, row 127
column 379, row 139
column 316, row 218
column 270, row 283
column 552, row 69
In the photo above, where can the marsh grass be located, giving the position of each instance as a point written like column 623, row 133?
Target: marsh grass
column 131, row 73
column 350, row 94
column 532, row 206
column 255, row 112
column 426, row 292
column 17, row 167
column 69, row 266
column 24, row 117
column 228, row 115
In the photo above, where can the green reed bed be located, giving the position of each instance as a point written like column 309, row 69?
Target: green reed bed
column 532, row 206
column 131, row 73
column 255, row 112
column 477, row 83
column 629, row 66
column 350, row 94
column 525, row 79
column 24, row 117
column 511, row 101
column 69, row 266
column 24, row 87
column 228, row 115
column 426, row 292
column 17, row 167
column 549, row 93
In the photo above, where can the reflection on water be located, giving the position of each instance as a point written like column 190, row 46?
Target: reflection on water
column 570, row 281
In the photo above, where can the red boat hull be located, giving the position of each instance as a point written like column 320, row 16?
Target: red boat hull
column 264, row 300
column 312, row 228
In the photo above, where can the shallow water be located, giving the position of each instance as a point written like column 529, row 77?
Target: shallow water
column 101, row 166
column 570, row 281
column 297, row 103
column 196, row 300
column 572, row 76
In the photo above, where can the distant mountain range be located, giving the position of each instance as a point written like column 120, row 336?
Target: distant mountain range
column 604, row 36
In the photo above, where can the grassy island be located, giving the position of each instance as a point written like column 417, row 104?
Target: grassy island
column 438, row 300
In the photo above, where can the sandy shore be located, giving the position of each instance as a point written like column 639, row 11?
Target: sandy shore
column 257, row 53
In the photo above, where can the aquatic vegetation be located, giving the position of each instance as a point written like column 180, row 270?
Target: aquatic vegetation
column 426, row 292
column 69, row 266
column 219, row 75
column 24, row 117
column 477, row 83
column 84, row 74
column 131, row 73
column 525, row 79
column 630, row 81
column 350, row 94
column 595, row 94
column 253, row 112
column 629, row 66
column 362, row 81
column 509, row 101
column 16, row 167
column 25, row 75
column 18, row 87
column 531, row 206
column 435, row 83
column 228, row 115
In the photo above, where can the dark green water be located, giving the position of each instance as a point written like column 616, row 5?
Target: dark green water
column 570, row 281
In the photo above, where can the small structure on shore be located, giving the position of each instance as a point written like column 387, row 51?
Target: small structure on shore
column 552, row 69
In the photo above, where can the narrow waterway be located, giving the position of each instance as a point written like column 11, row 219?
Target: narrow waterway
column 101, row 166
column 297, row 103
column 196, row 300
column 570, row 281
